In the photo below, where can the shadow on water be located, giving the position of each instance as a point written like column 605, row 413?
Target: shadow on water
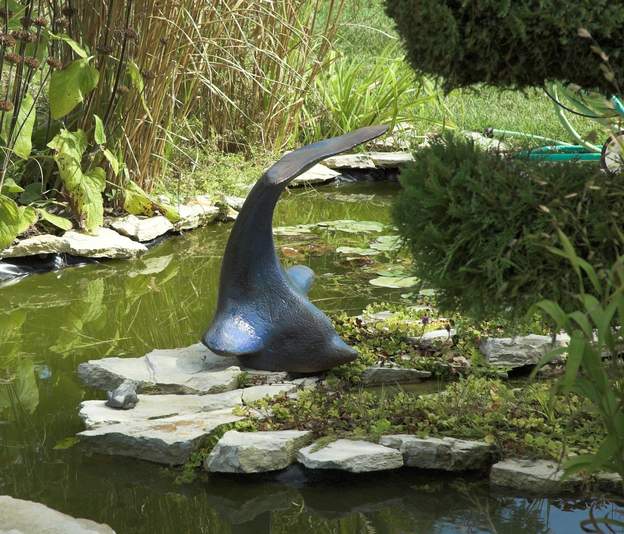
column 50, row 323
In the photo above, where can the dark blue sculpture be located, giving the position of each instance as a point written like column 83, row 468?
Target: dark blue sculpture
column 263, row 315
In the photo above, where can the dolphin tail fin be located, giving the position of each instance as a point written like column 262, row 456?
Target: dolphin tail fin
column 302, row 277
column 297, row 162
column 233, row 336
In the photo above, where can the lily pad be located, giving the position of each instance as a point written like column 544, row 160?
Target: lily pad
column 357, row 251
column 387, row 243
column 293, row 230
column 395, row 282
column 352, row 227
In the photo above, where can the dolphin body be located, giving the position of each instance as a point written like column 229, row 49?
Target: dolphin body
column 263, row 314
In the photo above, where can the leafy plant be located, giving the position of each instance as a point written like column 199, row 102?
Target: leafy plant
column 595, row 333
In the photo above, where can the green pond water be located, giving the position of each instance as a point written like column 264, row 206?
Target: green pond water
column 50, row 323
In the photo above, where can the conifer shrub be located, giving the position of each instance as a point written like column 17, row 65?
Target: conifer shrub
column 481, row 227
column 506, row 43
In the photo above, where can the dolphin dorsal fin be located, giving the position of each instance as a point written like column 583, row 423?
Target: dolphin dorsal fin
column 297, row 162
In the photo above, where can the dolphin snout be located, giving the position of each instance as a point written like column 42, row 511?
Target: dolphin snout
column 341, row 352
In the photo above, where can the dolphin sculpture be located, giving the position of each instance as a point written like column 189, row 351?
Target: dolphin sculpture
column 263, row 316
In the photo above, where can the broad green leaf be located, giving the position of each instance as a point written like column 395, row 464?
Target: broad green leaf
column 28, row 217
column 85, row 189
column 22, row 133
column 11, row 187
column 79, row 50
column 547, row 358
column 100, row 134
column 68, row 87
column 56, row 220
column 138, row 202
column 32, row 192
column 136, row 79
column 10, row 218
column 66, row 443
column 554, row 311
column 112, row 160
column 576, row 349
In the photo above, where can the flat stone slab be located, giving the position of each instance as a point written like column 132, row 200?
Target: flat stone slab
column 192, row 370
column 168, row 440
column 102, row 243
column 350, row 455
column 535, row 476
column 195, row 215
column 256, row 452
column 319, row 174
column 95, row 413
column 350, row 161
column 446, row 454
column 32, row 246
column 141, row 229
column 377, row 375
column 391, row 160
column 513, row 352
column 28, row 517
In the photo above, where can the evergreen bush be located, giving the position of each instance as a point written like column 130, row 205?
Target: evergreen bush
column 506, row 43
column 480, row 226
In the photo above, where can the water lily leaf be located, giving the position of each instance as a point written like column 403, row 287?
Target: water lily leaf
column 293, row 230
column 357, row 251
column 387, row 243
column 395, row 282
column 352, row 227
column 69, row 86
column 56, row 220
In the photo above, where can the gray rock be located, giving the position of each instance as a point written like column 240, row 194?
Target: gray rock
column 446, row 454
column 124, row 397
column 350, row 161
column 96, row 413
column 193, row 370
column 486, row 143
column 378, row 375
column 319, row 174
column 28, row 517
column 235, row 203
column 391, row 160
column 141, row 229
column 195, row 215
column 352, row 456
column 519, row 351
column 434, row 337
column 256, row 452
column 535, row 476
column 167, row 440
column 40, row 244
column 102, row 243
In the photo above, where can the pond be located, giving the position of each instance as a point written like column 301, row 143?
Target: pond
column 50, row 323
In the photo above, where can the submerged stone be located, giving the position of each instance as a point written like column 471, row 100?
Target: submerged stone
column 27, row 517
column 141, row 229
column 256, row 452
column 378, row 375
column 535, row 476
column 446, row 454
column 190, row 370
column 352, row 456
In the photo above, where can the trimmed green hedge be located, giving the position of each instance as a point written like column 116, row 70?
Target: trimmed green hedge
column 510, row 43
column 478, row 226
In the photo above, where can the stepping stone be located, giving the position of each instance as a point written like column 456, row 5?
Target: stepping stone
column 95, row 413
column 319, row 174
column 102, row 243
column 32, row 246
column 141, row 229
column 195, row 215
column 378, row 375
column 513, row 352
column 26, row 517
column 350, row 161
column 535, row 476
column 391, row 160
column 168, row 440
column 352, row 456
column 445, row 454
column 256, row 452
column 192, row 370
